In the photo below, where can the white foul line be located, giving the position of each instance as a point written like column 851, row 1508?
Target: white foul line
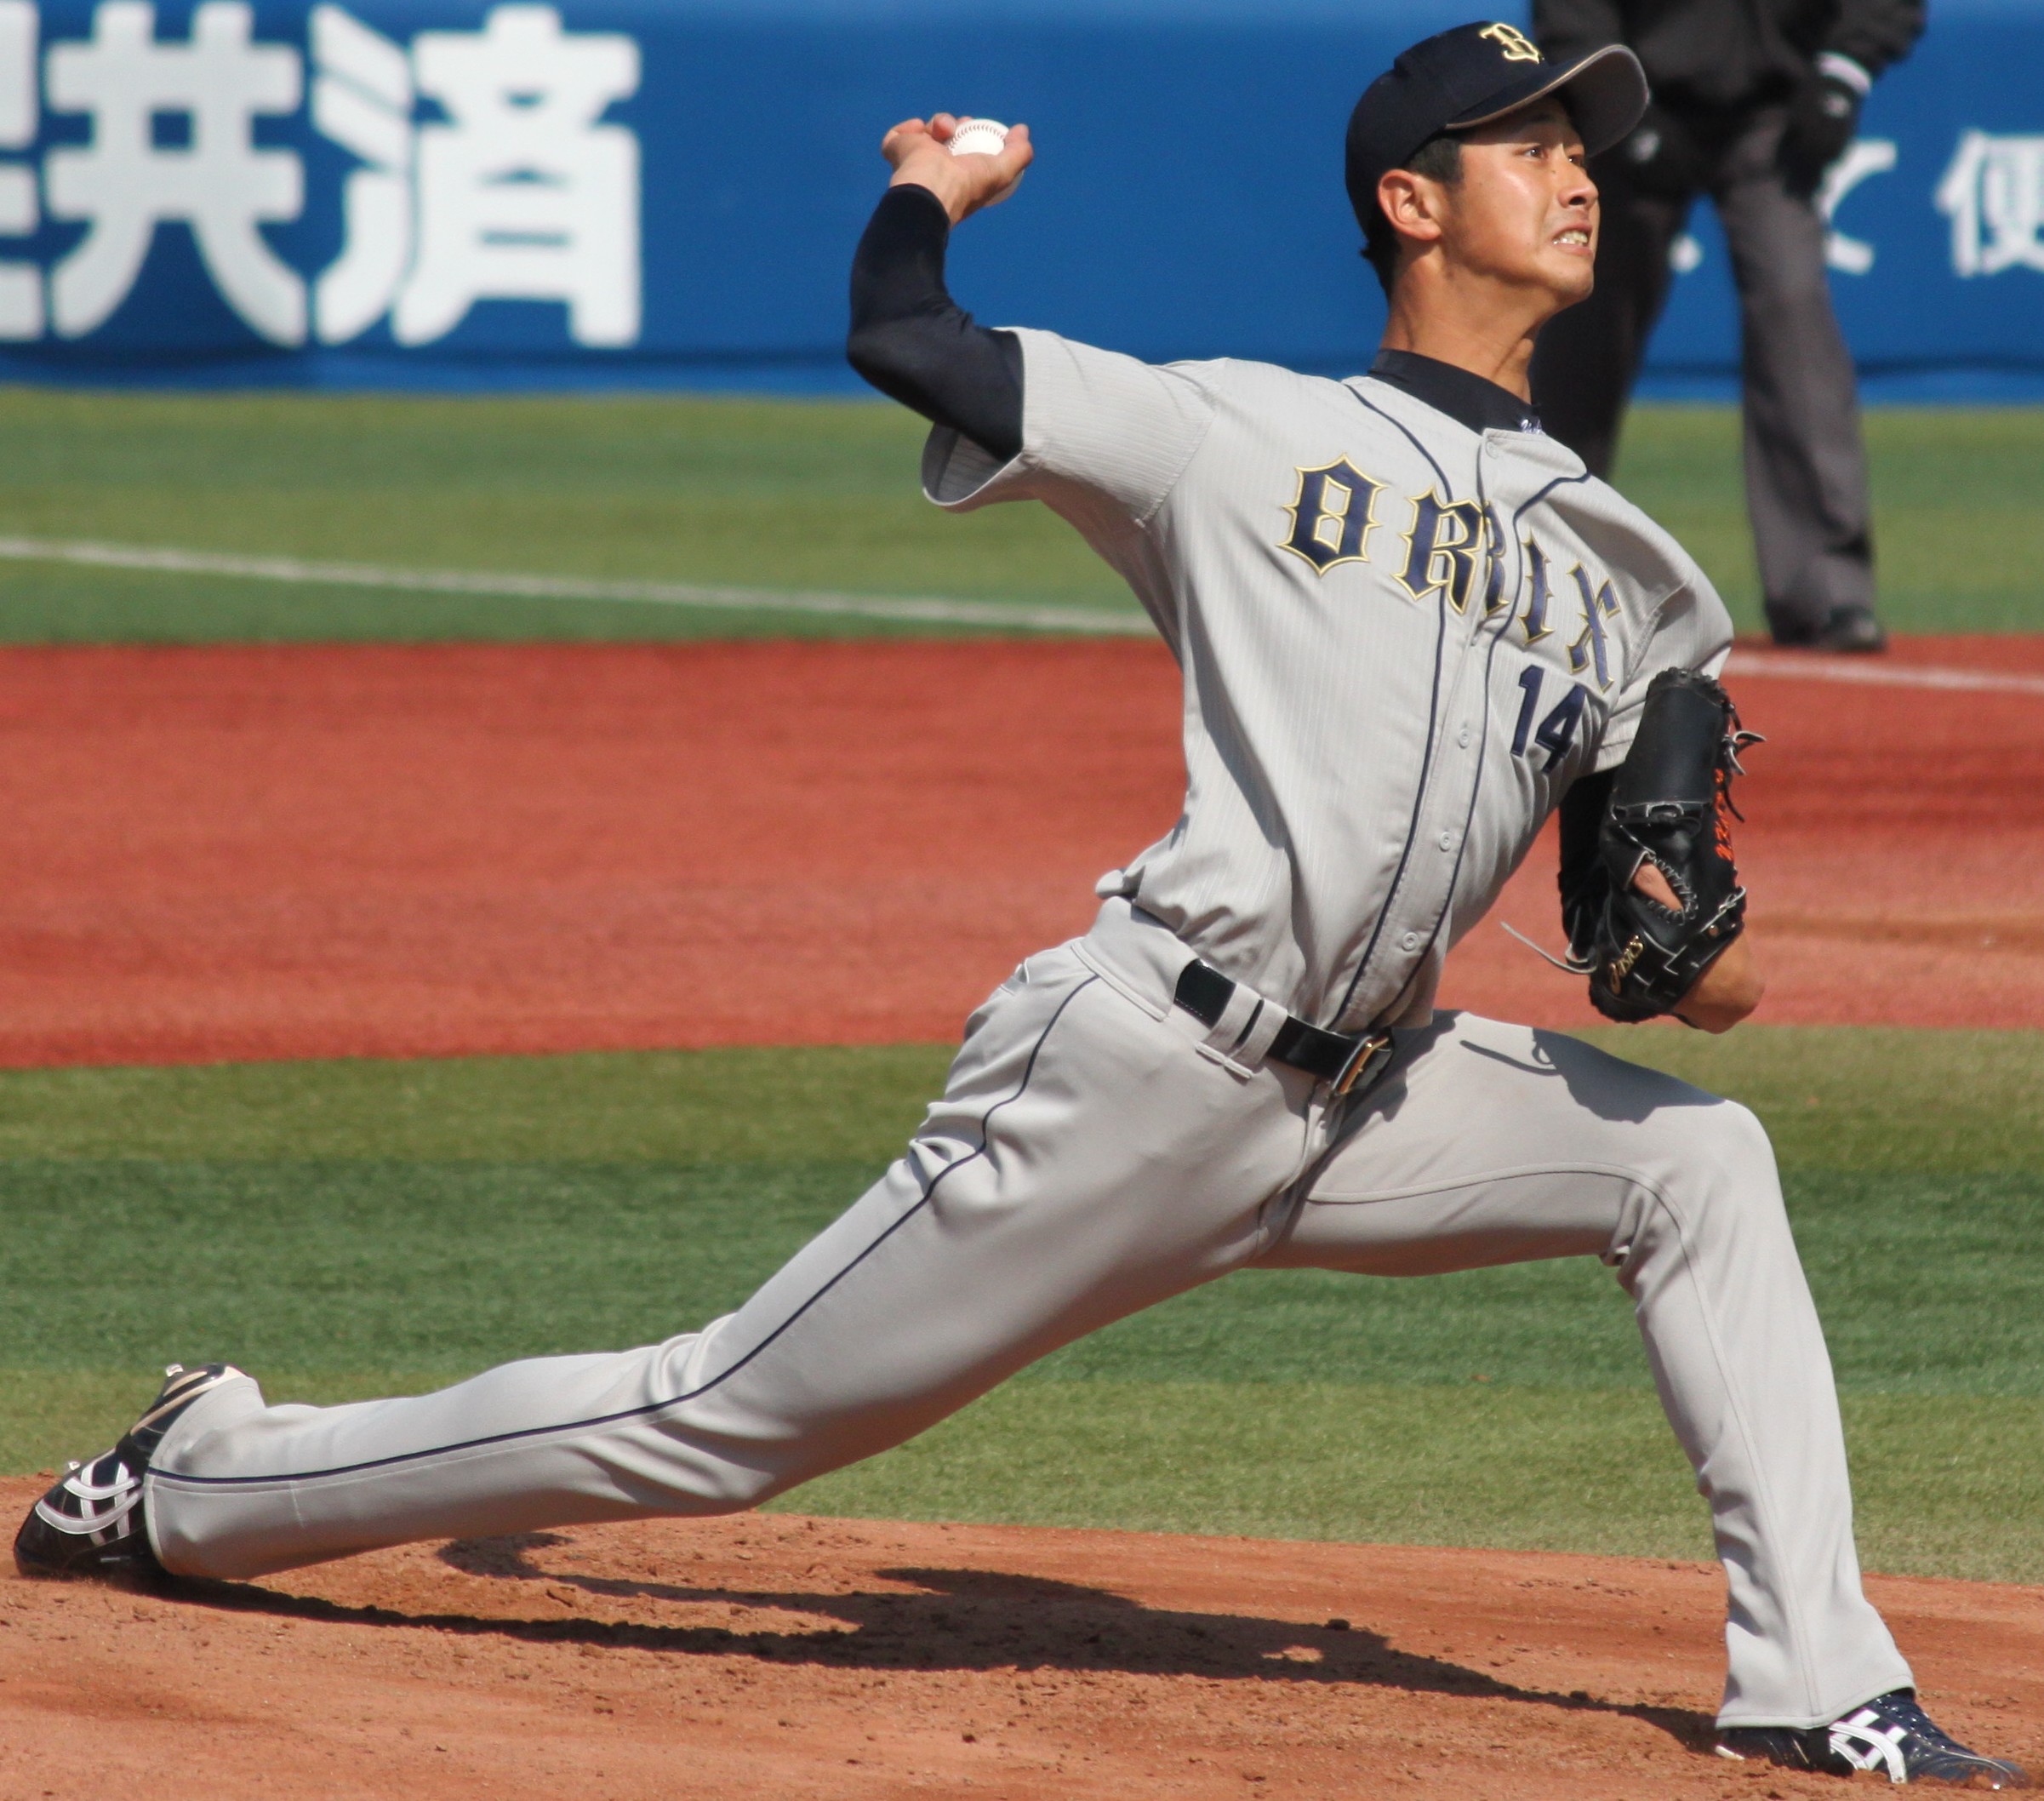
column 999, row 616
column 1876, row 673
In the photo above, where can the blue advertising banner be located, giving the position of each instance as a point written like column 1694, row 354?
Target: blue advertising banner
column 394, row 192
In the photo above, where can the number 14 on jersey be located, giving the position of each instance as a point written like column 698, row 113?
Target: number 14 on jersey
column 1556, row 732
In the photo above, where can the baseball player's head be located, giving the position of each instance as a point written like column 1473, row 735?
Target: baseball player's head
column 1468, row 151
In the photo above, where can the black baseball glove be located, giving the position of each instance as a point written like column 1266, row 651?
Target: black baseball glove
column 1670, row 804
column 1823, row 118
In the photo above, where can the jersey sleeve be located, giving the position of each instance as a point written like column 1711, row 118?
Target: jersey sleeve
column 1691, row 630
column 1105, row 437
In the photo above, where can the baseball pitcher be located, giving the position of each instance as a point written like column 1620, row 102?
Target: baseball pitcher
column 1411, row 626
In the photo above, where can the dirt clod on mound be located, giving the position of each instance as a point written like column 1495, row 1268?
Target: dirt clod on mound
column 780, row 1656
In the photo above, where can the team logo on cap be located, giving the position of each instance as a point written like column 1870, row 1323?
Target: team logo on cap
column 1512, row 43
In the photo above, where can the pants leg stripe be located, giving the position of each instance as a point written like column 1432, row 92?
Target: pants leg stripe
column 648, row 1408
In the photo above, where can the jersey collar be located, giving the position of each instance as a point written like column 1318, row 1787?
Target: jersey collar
column 1467, row 399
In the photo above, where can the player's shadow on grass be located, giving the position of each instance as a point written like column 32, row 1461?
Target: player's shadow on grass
column 960, row 1619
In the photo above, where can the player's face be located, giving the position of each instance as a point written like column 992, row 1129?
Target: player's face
column 1525, row 211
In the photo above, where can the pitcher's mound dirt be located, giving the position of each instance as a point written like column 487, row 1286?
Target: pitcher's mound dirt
column 782, row 1657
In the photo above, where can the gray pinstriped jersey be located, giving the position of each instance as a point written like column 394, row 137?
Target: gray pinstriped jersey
column 1401, row 640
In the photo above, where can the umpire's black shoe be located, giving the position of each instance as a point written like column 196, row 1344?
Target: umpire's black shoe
column 92, row 1523
column 1891, row 1733
column 1851, row 631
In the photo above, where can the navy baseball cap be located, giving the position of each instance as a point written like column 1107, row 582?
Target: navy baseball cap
column 1466, row 78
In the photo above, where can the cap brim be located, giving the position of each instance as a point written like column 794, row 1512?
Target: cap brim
column 1606, row 92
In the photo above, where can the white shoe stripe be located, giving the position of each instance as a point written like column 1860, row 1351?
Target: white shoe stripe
column 92, row 1525
column 1860, row 1742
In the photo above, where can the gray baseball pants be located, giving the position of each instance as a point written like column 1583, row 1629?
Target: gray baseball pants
column 1096, row 1151
column 1806, row 492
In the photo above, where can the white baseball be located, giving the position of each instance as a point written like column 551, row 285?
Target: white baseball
column 978, row 137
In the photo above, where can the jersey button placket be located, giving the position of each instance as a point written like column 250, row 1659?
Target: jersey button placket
column 1426, row 893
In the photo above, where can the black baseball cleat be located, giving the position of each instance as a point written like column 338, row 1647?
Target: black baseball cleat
column 1851, row 631
column 1890, row 1733
column 91, row 1523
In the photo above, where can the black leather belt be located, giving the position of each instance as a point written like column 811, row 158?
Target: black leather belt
column 1346, row 1061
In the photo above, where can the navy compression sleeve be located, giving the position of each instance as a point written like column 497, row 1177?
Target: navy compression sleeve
column 1583, row 879
column 914, row 342
column 1583, row 809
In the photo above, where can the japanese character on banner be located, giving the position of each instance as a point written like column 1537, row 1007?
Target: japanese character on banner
column 522, row 194
column 122, row 183
column 1864, row 156
column 361, row 99
column 22, row 310
column 1994, row 195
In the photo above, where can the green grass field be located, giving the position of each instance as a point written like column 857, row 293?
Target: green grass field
column 770, row 494
column 354, row 1228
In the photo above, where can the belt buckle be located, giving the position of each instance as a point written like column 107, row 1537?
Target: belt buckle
column 1368, row 1058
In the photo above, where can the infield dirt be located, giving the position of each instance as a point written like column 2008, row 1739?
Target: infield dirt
column 790, row 1657
column 227, row 853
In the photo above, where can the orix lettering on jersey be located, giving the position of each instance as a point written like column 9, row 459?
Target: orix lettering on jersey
column 1448, row 548
column 1456, row 549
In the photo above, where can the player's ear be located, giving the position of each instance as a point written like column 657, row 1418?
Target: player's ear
column 1411, row 202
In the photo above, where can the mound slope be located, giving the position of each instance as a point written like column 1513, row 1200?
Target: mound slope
column 791, row 1656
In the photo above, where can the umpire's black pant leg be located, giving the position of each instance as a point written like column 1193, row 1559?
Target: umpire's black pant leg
column 1806, row 462
column 1588, row 357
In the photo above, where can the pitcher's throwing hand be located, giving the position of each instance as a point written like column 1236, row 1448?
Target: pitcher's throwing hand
column 922, row 156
